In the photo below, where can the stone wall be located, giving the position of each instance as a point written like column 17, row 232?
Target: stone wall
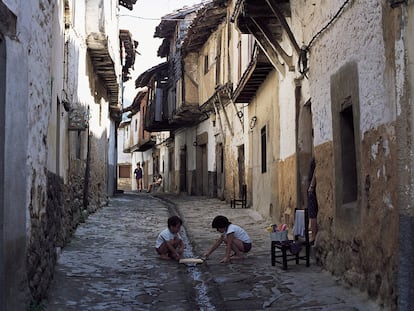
column 14, row 193
column 50, row 230
column 98, row 173
column 366, row 256
column 44, row 219
column 77, row 205
column 53, row 227
column 125, row 184
column 358, row 233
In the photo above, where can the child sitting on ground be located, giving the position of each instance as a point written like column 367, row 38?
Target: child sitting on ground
column 235, row 238
column 169, row 243
column 157, row 183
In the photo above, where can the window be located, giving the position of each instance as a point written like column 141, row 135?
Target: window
column 348, row 157
column 218, row 59
column 239, row 60
column 205, row 64
column 171, row 161
column 346, row 139
column 263, row 143
column 78, row 145
column 67, row 18
column 124, row 171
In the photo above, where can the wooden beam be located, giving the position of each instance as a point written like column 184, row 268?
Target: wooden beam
column 268, row 35
column 266, row 45
column 273, row 6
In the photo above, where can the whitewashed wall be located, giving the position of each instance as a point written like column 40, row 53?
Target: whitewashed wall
column 27, row 110
column 123, row 135
column 358, row 29
column 286, row 101
column 57, row 134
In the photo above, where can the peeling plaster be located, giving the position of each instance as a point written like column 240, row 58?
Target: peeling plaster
column 386, row 147
column 374, row 151
column 399, row 73
column 386, row 198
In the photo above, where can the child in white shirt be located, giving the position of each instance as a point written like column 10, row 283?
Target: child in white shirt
column 169, row 244
column 234, row 236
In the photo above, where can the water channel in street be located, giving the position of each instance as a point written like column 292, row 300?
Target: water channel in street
column 111, row 264
column 202, row 300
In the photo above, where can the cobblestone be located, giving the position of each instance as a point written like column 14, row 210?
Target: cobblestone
column 111, row 264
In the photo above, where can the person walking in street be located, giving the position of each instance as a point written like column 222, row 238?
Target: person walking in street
column 138, row 176
column 169, row 244
column 312, row 203
column 234, row 236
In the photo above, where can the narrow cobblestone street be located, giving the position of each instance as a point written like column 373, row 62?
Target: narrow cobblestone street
column 110, row 264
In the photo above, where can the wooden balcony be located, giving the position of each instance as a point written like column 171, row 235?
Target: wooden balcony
column 266, row 21
column 255, row 74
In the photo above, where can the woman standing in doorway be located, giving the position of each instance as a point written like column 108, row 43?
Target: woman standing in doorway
column 312, row 204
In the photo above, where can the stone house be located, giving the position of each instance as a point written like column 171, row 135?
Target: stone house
column 266, row 88
column 125, row 166
column 206, row 55
column 325, row 79
column 184, row 105
column 139, row 140
column 123, row 170
column 147, row 142
column 60, row 78
column 160, row 107
column 347, row 102
column 209, row 150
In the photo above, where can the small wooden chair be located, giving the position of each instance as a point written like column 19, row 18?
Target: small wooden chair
column 242, row 201
column 284, row 251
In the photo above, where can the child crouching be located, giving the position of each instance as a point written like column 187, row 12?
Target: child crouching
column 169, row 244
column 234, row 236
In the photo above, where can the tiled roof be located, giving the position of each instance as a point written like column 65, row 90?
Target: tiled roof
column 204, row 24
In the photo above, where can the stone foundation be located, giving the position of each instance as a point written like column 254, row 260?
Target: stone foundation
column 364, row 251
column 51, row 228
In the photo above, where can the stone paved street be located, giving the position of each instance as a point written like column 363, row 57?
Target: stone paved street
column 111, row 264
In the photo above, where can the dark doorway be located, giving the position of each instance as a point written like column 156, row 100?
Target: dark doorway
column 204, row 170
column 202, row 164
column 183, row 169
column 220, row 170
column 349, row 172
column 241, row 168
